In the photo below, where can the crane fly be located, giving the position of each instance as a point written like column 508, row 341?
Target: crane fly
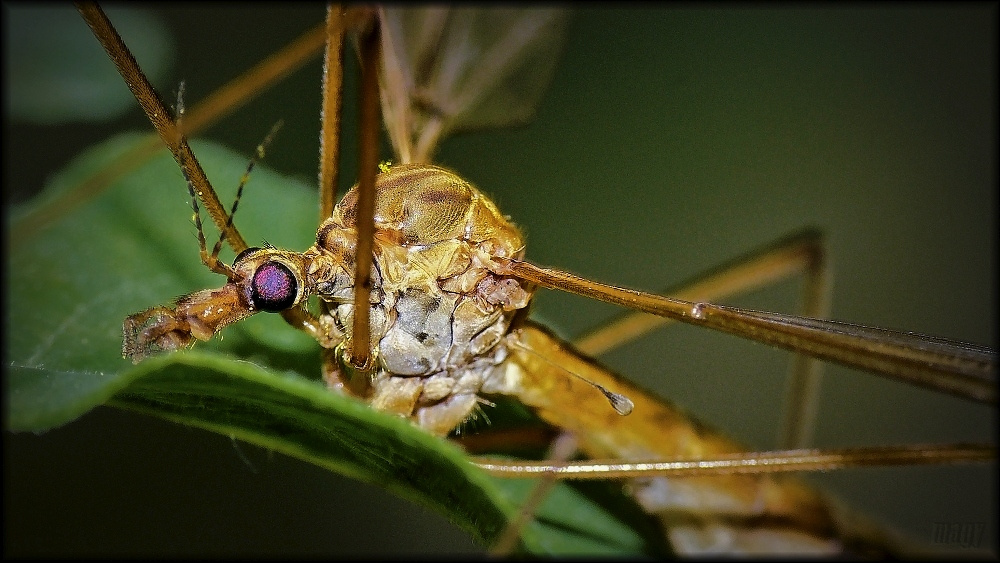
column 553, row 261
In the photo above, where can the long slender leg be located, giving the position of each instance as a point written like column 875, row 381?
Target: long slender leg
column 801, row 252
column 963, row 369
column 801, row 402
column 160, row 117
column 338, row 21
column 222, row 102
column 562, row 449
column 333, row 82
column 784, row 258
column 360, row 354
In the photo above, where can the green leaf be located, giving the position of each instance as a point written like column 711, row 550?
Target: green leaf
column 71, row 285
column 298, row 417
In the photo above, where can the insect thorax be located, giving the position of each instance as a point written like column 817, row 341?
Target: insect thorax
column 439, row 310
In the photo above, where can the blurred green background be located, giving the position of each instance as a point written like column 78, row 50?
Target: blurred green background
column 671, row 140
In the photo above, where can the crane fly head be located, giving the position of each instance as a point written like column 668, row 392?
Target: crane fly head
column 261, row 279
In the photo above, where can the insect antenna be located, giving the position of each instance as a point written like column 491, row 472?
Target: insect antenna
column 212, row 261
column 258, row 155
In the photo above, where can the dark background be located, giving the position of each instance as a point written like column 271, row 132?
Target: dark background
column 671, row 140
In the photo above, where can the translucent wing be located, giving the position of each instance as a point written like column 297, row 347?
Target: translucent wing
column 456, row 69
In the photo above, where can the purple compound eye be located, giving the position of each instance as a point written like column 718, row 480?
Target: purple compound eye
column 274, row 287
